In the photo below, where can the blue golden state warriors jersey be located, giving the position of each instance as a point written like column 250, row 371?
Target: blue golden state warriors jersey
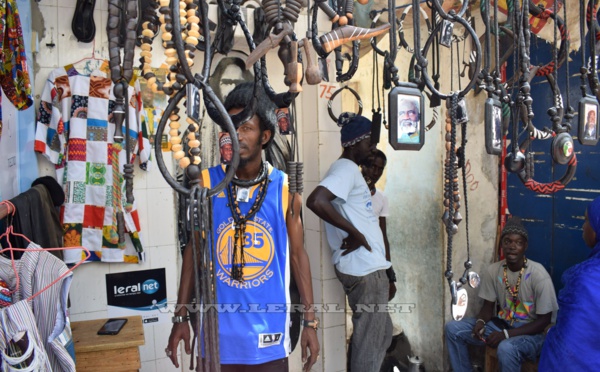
column 253, row 321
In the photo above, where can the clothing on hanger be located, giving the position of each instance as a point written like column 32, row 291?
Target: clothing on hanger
column 37, row 218
column 75, row 132
column 36, row 281
column 14, row 73
column 17, row 322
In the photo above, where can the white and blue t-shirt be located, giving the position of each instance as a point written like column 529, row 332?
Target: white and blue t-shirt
column 353, row 202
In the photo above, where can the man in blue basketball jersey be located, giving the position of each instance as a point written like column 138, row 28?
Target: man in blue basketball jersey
column 258, row 242
column 343, row 201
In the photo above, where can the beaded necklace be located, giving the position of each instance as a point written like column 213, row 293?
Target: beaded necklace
column 514, row 292
column 238, row 260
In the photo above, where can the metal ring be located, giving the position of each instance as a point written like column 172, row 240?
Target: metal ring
column 329, row 109
column 400, row 23
column 452, row 16
column 173, row 102
column 421, row 58
column 530, row 183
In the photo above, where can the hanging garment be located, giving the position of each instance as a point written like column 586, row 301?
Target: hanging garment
column 36, row 270
column 37, row 218
column 14, row 73
column 17, row 322
column 75, row 132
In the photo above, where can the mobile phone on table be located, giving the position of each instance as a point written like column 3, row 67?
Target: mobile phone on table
column 112, row 326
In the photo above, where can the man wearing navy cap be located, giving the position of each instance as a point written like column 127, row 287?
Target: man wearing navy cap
column 343, row 201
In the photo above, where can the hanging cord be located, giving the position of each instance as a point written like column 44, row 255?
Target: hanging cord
column 570, row 111
column 558, row 112
column 295, row 168
column 468, row 264
column 240, row 220
column 593, row 72
column 458, row 63
column 376, row 114
column 583, row 69
column 450, row 192
column 562, row 143
column 420, row 54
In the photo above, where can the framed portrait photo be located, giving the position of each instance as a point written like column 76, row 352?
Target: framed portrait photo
column 493, row 126
column 406, row 117
column 588, row 121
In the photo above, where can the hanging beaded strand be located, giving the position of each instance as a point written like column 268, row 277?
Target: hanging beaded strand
column 238, row 260
column 451, row 216
column 513, row 292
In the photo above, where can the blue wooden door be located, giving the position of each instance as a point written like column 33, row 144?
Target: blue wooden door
column 554, row 222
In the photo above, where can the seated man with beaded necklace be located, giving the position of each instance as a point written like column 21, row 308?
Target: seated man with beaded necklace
column 258, row 237
column 525, row 296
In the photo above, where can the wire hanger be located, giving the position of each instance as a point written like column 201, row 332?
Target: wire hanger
column 88, row 68
column 10, row 231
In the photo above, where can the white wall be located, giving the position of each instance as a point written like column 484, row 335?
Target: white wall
column 413, row 182
column 155, row 200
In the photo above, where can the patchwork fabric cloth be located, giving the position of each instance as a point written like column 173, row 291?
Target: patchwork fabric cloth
column 75, row 132
column 14, row 74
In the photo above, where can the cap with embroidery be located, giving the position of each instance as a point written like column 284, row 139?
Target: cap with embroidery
column 514, row 226
column 225, row 139
column 355, row 128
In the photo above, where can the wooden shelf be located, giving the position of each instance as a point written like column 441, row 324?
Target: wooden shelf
column 119, row 352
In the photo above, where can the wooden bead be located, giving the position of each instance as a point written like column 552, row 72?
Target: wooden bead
column 191, row 136
column 171, row 60
column 175, row 140
column 182, row 12
column 190, row 61
column 148, row 33
column 448, row 145
column 183, row 20
column 151, row 81
column 194, row 143
column 174, row 133
column 193, row 20
column 165, row 3
column 191, row 13
column 194, row 26
column 194, row 33
column 448, row 127
column 154, row 87
column 191, row 40
column 179, row 154
column 197, row 160
column 176, row 148
column 184, row 162
column 171, row 52
column 166, row 36
column 146, row 47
